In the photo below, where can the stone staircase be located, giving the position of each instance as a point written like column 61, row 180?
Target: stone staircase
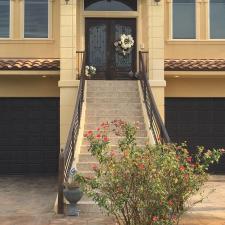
column 107, row 101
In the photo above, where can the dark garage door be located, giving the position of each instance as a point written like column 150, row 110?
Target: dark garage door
column 199, row 121
column 29, row 135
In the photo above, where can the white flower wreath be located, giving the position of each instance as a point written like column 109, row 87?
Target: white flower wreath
column 125, row 44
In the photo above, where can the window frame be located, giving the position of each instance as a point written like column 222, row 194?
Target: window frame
column 11, row 18
column 209, row 25
column 50, row 20
column 196, row 24
column 83, row 9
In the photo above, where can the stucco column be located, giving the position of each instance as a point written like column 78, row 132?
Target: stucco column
column 156, row 51
column 68, row 83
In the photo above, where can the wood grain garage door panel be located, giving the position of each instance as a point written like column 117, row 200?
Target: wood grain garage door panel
column 29, row 135
column 199, row 121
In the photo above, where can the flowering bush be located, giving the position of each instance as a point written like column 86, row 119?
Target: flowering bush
column 143, row 186
column 125, row 44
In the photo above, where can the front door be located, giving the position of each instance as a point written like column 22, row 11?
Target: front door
column 101, row 34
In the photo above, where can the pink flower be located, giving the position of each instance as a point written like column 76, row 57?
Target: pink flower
column 98, row 136
column 155, row 218
column 186, row 176
column 141, row 166
column 181, row 168
column 113, row 153
column 170, row 202
column 94, row 167
column 106, row 139
column 189, row 159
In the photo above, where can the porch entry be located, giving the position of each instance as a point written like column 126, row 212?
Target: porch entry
column 101, row 34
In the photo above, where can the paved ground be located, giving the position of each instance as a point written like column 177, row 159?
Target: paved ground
column 27, row 200
column 30, row 202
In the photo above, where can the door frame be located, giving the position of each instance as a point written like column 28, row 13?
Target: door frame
column 108, row 21
column 82, row 15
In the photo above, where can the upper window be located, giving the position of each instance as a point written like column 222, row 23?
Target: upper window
column 217, row 19
column 184, row 19
column 36, row 14
column 110, row 5
column 4, row 18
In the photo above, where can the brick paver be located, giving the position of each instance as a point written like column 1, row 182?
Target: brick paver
column 21, row 203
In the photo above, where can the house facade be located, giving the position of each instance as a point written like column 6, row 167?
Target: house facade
column 41, row 49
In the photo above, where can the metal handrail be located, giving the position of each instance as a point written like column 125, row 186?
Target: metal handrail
column 66, row 156
column 157, row 126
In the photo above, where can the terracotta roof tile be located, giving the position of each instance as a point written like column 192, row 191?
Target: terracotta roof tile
column 29, row 64
column 195, row 64
column 170, row 64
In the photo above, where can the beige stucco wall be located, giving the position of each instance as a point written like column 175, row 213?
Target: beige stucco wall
column 17, row 47
column 68, row 84
column 24, row 86
column 195, row 87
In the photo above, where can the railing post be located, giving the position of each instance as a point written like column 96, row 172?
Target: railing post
column 73, row 144
column 60, row 183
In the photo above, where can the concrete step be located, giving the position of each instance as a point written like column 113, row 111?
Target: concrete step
column 87, row 173
column 115, row 140
column 84, row 148
column 113, row 88
column 113, row 100
column 85, row 166
column 94, row 125
column 109, row 105
column 85, row 198
column 112, row 94
column 87, row 157
column 123, row 84
column 101, row 119
column 113, row 112
column 88, row 207
column 140, row 133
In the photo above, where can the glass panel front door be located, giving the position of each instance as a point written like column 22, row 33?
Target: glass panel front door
column 101, row 52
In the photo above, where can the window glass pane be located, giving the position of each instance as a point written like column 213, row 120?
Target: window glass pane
column 4, row 18
column 110, row 5
column 36, row 19
column 217, row 19
column 184, row 19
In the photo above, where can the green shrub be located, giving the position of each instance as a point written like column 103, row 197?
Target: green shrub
column 143, row 186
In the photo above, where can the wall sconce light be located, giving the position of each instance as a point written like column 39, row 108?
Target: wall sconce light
column 157, row 1
column 67, row 1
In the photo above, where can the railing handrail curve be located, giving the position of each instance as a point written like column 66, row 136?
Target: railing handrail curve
column 156, row 123
column 66, row 156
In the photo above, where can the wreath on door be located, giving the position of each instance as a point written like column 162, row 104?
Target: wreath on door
column 125, row 44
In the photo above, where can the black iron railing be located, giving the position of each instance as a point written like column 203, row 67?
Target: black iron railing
column 80, row 58
column 157, row 126
column 66, row 156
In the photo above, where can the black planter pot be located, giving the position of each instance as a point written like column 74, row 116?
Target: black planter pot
column 73, row 196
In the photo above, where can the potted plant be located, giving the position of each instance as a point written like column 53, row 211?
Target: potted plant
column 72, row 193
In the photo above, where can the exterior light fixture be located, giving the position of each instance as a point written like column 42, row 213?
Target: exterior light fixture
column 157, row 1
